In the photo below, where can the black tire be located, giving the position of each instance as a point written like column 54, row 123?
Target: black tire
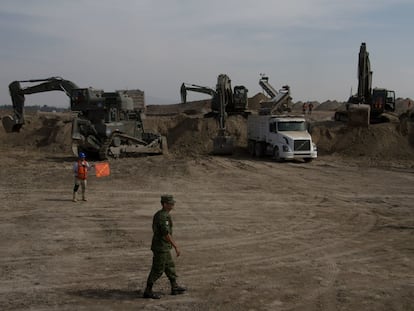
column 276, row 155
column 251, row 147
column 308, row 160
column 259, row 149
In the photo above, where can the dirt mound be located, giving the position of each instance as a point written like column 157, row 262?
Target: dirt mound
column 329, row 105
column 49, row 132
column 192, row 134
column 191, row 108
column 377, row 142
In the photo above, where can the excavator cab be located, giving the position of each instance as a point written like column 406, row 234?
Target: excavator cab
column 240, row 98
column 382, row 100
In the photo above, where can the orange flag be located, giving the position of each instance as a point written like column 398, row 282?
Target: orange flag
column 102, row 169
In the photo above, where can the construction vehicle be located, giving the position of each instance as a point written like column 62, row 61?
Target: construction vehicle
column 224, row 102
column 273, row 131
column 367, row 105
column 280, row 101
column 236, row 99
column 105, row 124
column 285, row 137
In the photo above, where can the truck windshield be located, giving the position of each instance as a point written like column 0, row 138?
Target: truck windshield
column 291, row 126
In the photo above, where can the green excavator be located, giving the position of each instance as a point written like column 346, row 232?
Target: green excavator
column 105, row 124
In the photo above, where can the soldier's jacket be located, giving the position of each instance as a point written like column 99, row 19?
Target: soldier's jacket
column 161, row 226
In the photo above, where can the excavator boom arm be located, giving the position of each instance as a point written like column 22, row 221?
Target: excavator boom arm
column 194, row 88
column 280, row 101
column 364, row 75
column 17, row 94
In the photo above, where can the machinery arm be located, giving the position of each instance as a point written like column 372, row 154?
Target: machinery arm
column 222, row 98
column 364, row 74
column 17, row 94
column 195, row 88
column 280, row 100
column 364, row 78
column 269, row 89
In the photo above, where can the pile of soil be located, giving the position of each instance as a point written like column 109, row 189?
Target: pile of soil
column 50, row 132
column 191, row 134
column 377, row 142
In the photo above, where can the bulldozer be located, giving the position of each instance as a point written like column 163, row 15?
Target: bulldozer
column 105, row 124
column 225, row 101
column 368, row 105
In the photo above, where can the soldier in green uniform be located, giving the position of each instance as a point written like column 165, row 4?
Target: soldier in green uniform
column 161, row 245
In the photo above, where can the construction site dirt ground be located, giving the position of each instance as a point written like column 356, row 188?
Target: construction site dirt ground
column 334, row 234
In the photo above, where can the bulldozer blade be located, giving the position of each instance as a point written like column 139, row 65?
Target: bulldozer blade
column 10, row 124
column 223, row 145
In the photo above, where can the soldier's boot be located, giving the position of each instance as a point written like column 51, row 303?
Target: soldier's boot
column 148, row 293
column 177, row 289
column 74, row 197
column 84, row 197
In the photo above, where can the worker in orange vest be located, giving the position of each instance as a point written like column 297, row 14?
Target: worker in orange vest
column 80, row 170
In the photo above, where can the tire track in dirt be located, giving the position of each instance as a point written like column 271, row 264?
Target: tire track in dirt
column 308, row 238
column 366, row 221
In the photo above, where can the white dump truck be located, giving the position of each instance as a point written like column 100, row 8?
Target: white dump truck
column 284, row 137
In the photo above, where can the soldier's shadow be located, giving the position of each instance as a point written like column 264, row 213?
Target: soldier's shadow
column 115, row 294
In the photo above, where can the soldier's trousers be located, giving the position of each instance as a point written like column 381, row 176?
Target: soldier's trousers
column 162, row 262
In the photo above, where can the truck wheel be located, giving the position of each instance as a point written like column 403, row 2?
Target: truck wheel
column 251, row 148
column 276, row 155
column 259, row 149
column 307, row 160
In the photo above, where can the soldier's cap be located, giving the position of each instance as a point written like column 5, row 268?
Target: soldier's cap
column 167, row 198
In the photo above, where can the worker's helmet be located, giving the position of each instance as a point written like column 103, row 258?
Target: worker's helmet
column 82, row 155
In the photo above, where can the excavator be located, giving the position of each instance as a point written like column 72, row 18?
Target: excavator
column 236, row 100
column 224, row 102
column 368, row 105
column 105, row 124
column 280, row 101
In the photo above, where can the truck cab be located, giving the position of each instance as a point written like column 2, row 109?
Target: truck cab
column 283, row 137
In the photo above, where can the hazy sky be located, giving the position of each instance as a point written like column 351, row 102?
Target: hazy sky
column 155, row 45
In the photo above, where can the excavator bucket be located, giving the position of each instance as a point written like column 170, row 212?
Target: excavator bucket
column 223, row 144
column 11, row 125
column 359, row 115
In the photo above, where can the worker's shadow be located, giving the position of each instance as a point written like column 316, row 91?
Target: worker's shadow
column 111, row 294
